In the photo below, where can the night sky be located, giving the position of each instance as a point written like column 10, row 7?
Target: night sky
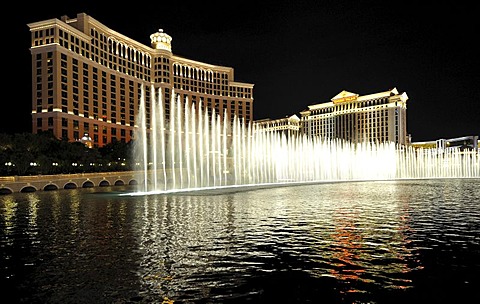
column 296, row 53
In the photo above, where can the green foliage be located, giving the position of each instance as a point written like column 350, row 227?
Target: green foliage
column 31, row 154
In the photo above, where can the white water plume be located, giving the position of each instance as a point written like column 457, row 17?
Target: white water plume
column 194, row 150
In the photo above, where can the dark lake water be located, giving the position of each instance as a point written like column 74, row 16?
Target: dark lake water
column 408, row 241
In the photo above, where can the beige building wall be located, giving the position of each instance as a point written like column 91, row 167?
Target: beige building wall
column 379, row 117
column 87, row 79
column 289, row 126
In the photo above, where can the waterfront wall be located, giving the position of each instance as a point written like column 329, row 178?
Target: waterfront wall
column 11, row 184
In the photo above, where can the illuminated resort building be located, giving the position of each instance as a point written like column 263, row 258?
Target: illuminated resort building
column 87, row 80
column 379, row 117
column 287, row 125
column 470, row 142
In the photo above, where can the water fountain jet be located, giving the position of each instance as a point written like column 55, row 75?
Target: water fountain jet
column 194, row 151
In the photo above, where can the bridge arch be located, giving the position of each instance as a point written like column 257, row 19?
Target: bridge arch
column 104, row 183
column 17, row 184
column 50, row 187
column 28, row 189
column 88, row 184
column 119, row 182
column 6, row 190
column 70, row 185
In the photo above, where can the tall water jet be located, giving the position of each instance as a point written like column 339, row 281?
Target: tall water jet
column 195, row 150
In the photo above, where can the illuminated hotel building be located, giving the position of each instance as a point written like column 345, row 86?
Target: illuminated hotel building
column 379, row 117
column 288, row 125
column 87, row 80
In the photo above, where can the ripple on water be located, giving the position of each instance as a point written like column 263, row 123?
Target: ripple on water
column 359, row 242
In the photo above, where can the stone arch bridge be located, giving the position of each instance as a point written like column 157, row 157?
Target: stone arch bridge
column 11, row 184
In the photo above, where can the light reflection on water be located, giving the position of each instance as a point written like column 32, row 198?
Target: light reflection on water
column 357, row 242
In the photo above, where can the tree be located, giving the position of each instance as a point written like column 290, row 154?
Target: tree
column 43, row 153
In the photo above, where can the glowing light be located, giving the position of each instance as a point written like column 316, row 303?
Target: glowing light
column 201, row 151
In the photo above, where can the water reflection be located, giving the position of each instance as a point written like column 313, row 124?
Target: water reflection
column 357, row 242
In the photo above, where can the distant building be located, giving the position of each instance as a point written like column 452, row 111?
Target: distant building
column 87, row 79
column 378, row 117
column 287, row 125
column 470, row 142
column 86, row 140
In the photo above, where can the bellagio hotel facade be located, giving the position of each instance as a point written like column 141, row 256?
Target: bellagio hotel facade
column 87, row 79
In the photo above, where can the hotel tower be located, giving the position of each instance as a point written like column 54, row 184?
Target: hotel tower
column 377, row 118
column 87, row 80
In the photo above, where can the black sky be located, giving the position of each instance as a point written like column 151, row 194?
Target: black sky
column 297, row 53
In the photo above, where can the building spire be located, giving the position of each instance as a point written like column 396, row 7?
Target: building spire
column 161, row 41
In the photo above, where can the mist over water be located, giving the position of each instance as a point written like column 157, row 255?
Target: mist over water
column 190, row 149
column 236, row 214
